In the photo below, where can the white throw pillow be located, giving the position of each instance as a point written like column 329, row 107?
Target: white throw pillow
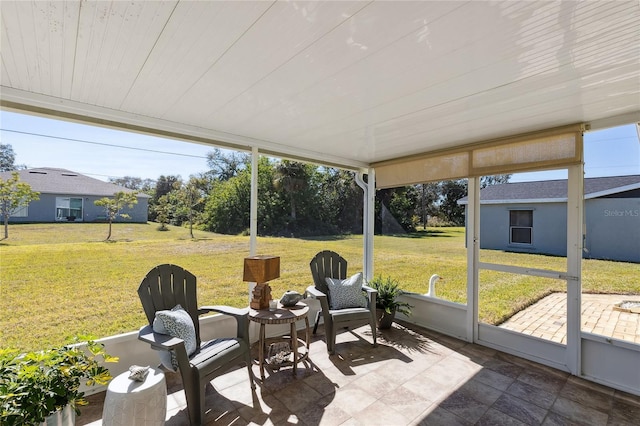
column 176, row 323
column 346, row 293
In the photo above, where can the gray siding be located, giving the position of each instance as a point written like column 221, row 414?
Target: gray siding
column 549, row 234
column 612, row 228
column 44, row 210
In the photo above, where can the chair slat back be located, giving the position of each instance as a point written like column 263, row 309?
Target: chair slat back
column 166, row 286
column 327, row 264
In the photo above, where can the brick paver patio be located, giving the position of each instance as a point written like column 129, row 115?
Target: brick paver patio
column 547, row 318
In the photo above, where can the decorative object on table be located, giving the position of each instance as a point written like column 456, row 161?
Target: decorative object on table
column 160, row 290
column 290, row 298
column 260, row 270
column 387, row 303
column 138, row 373
column 273, row 305
column 329, row 264
column 279, row 352
column 58, row 373
column 299, row 349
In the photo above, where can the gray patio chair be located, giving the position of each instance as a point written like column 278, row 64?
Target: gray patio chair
column 166, row 286
column 329, row 264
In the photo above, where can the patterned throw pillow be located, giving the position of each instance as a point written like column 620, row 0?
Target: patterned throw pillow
column 346, row 293
column 175, row 323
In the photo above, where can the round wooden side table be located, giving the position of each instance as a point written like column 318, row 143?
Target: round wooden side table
column 282, row 315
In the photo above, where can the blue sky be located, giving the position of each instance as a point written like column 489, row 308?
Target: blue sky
column 103, row 153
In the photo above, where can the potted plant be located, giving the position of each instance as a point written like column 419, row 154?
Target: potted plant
column 37, row 386
column 387, row 303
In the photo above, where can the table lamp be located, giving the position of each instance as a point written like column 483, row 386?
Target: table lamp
column 260, row 269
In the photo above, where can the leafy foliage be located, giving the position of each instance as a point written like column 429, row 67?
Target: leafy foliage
column 227, row 209
column 13, row 195
column 388, row 292
column 162, row 211
column 113, row 206
column 494, row 180
column 295, row 198
column 36, row 384
column 185, row 199
column 225, row 166
column 7, row 158
column 135, row 183
column 451, row 191
column 341, row 201
column 289, row 201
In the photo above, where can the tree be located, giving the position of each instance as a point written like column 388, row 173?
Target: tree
column 428, row 197
column 494, row 180
column 341, row 201
column 225, row 166
column 227, row 209
column 451, row 191
column 135, row 183
column 292, row 178
column 14, row 194
column 187, row 197
column 113, row 206
column 402, row 203
column 164, row 185
column 7, row 158
column 162, row 211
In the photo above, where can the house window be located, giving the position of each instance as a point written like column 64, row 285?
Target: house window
column 520, row 226
column 68, row 209
column 20, row 212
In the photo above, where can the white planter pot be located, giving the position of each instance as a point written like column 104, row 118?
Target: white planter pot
column 64, row 417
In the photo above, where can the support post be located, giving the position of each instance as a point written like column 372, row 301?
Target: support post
column 253, row 211
column 575, row 237
column 368, row 217
column 473, row 257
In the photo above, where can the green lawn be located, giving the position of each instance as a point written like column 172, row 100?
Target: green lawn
column 59, row 280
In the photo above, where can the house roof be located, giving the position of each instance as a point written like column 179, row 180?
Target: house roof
column 65, row 182
column 339, row 83
column 554, row 190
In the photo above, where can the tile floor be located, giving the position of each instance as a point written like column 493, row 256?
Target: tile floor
column 413, row 377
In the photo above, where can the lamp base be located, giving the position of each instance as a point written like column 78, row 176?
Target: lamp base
column 261, row 296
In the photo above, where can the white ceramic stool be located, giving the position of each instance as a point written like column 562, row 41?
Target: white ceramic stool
column 130, row 403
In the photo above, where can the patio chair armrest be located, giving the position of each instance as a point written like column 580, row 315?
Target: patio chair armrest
column 157, row 340
column 222, row 309
column 314, row 293
column 369, row 289
column 372, row 295
column 240, row 314
column 165, row 342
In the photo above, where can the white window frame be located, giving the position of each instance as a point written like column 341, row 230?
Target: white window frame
column 60, row 204
column 514, row 227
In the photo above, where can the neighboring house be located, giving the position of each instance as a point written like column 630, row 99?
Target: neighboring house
column 531, row 217
column 67, row 196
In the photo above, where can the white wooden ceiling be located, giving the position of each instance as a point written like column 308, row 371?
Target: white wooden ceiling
column 347, row 83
